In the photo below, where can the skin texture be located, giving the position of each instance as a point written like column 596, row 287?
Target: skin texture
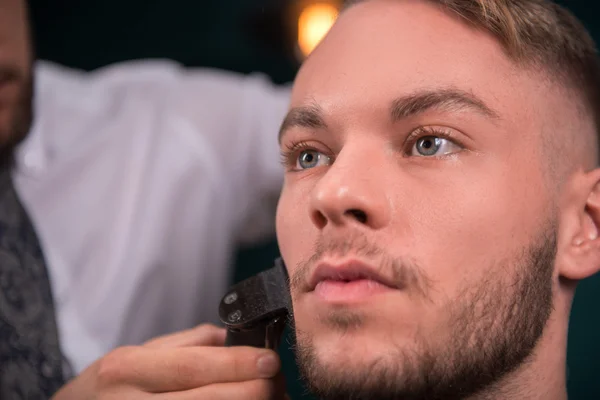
column 15, row 75
column 483, row 249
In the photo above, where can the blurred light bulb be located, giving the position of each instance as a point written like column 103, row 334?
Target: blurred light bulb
column 313, row 24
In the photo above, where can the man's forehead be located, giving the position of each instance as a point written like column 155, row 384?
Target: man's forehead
column 379, row 50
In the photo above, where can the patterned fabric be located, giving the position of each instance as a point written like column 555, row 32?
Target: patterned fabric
column 30, row 356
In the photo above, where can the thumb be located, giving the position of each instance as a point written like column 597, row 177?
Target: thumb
column 202, row 335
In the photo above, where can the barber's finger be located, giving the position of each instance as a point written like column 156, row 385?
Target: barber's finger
column 203, row 335
column 260, row 389
column 158, row 370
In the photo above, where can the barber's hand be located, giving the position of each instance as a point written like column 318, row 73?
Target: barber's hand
column 188, row 365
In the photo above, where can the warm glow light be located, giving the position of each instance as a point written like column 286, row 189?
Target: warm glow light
column 313, row 24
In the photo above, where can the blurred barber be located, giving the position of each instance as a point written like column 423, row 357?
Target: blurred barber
column 123, row 195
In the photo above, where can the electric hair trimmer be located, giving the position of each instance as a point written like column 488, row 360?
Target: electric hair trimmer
column 256, row 310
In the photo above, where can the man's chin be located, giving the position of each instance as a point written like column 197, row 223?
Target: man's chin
column 346, row 335
column 354, row 349
column 337, row 366
column 345, row 361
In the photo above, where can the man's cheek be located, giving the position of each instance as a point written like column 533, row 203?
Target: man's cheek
column 295, row 231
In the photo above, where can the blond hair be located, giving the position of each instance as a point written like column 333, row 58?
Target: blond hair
column 538, row 33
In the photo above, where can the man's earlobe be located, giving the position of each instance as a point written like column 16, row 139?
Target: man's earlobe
column 579, row 246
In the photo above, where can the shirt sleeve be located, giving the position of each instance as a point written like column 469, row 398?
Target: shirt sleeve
column 230, row 120
column 239, row 117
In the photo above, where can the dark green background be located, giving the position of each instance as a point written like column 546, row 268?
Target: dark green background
column 246, row 36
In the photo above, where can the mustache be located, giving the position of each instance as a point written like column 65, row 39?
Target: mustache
column 405, row 273
column 9, row 73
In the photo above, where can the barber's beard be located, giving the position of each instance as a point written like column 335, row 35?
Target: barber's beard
column 20, row 113
column 494, row 329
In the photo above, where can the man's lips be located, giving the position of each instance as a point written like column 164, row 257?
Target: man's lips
column 351, row 282
column 8, row 77
column 347, row 272
column 8, row 81
column 9, row 74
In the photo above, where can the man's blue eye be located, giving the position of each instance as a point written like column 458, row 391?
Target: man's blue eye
column 429, row 146
column 311, row 159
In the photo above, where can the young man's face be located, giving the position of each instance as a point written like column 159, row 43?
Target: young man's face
column 417, row 220
column 15, row 73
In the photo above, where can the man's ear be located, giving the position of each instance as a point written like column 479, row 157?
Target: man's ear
column 578, row 254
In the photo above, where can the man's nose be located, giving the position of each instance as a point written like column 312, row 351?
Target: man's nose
column 353, row 191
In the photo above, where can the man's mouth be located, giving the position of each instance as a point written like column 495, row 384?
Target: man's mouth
column 9, row 83
column 349, row 282
column 8, row 74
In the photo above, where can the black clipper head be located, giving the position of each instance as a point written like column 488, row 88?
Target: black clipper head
column 256, row 310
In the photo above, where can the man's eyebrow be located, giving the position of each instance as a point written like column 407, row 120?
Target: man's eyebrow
column 303, row 117
column 449, row 100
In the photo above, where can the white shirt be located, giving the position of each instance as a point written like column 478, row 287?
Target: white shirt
column 141, row 180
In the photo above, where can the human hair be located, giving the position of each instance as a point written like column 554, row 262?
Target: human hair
column 538, row 34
